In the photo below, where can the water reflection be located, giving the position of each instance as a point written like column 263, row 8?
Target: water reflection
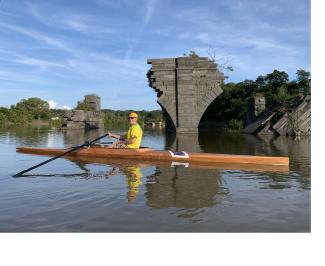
column 133, row 176
column 31, row 136
column 76, row 137
column 178, row 186
column 183, row 187
column 298, row 149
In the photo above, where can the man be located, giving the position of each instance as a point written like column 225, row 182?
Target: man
column 132, row 139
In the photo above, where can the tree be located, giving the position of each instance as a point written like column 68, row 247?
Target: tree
column 276, row 79
column 282, row 94
column 260, row 84
column 193, row 54
column 36, row 107
column 249, row 87
column 303, row 81
column 293, row 88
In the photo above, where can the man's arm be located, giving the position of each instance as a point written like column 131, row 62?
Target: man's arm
column 115, row 136
column 130, row 141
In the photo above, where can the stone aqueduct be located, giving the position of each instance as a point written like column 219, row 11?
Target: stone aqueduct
column 185, row 87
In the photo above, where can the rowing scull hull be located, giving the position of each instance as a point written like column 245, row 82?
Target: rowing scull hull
column 157, row 155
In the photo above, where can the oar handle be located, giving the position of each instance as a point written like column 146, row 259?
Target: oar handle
column 91, row 142
column 87, row 143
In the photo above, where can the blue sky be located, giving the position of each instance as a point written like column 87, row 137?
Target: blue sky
column 61, row 50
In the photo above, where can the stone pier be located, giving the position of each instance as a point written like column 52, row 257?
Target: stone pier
column 89, row 119
column 185, row 87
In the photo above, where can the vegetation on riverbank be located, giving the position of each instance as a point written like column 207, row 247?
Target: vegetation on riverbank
column 28, row 111
column 36, row 111
column 118, row 118
column 231, row 106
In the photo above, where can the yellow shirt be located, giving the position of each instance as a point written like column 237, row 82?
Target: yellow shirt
column 134, row 175
column 134, row 131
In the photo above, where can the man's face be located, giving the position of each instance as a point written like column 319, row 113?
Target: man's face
column 132, row 120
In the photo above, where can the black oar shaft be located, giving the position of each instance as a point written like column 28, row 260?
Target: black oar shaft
column 61, row 155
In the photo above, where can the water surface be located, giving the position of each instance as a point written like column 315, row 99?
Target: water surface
column 124, row 196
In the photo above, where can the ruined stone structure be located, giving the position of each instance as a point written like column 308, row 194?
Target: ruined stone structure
column 90, row 119
column 295, row 121
column 256, row 105
column 185, row 87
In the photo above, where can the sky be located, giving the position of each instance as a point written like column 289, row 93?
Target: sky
column 62, row 50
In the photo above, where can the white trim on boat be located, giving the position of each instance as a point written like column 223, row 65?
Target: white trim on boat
column 179, row 154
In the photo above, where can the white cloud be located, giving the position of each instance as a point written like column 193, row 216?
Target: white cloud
column 65, row 107
column 52, row 104
column 55, row 105
column 40, row 63
column 39, row 36
column 150, row 8
column 61, row 19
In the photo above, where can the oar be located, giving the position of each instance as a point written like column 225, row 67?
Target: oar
column 87, row 143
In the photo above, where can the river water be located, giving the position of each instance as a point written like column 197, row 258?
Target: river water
column 120, row 196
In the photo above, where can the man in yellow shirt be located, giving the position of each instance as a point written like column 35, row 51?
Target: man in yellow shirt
column 132, row 139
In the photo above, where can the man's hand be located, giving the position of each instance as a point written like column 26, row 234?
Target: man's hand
column 115, row 136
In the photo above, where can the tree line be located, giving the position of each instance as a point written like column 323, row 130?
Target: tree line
column 231, row 106
column 28, row 110
column 25, row 111
column 118, row 118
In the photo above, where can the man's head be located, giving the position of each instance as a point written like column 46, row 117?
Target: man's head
column 133, row 118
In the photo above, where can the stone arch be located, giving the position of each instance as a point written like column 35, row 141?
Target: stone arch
column 170, row 122
column 185, row 87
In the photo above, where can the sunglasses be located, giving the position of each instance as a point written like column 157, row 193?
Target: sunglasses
column 131, row 117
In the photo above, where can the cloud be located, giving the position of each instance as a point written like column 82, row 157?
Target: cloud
column 55, row 105
column 40, row 63
column 65, row 107
column 52, row 104
column 149, row 10
column 38, row 36
column 74, row 21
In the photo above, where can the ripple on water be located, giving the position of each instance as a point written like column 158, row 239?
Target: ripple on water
column 82, row 197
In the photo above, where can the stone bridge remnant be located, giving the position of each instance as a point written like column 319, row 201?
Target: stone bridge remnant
column 185, row 87
column 88, row 119
column 285, row 121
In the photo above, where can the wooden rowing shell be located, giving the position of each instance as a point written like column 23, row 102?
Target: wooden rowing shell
column 148, row 154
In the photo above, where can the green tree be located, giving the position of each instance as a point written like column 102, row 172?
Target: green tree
column 36, row 107
column 293, row 88
column 282, row 94
column 260, row 84
column 20, row 116
column 249, row 87
column 303, row 81
column 276, row 79
column 3, row 118
column 193, row 54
